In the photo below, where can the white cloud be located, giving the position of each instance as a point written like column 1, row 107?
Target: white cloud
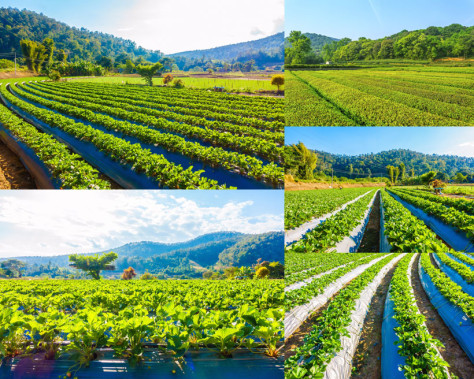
column 178, row 25
column 63, row 222
column 466, row 144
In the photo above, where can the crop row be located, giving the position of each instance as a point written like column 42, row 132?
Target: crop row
column 134, row 103
column 448, row 288
column 78, row 108
column 303, row 106
column 154, row 166
column 103, row 317
column 327, row 234
column 463, row 115
column 215, row 156
column 372, row 110
column 415, row 343
column 67, row 167
column 302, row 206
column 324, row 340
column 405, row 232
column 330, row 261
column 460, row 204
column 460, row 268
column 260, row 107
column 450, row 216
column 316, row 286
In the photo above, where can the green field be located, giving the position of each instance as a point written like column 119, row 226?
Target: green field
column 454, row 189
column 393, row 96
column 231, row 85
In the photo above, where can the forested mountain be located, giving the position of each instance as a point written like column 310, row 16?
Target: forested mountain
column 374, row 165
column 264, row 51
column 431, row 43
column 317, row 41
column 16, row 25
column 190, row 258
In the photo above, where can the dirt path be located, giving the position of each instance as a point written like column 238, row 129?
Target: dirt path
column 371, row 241
column 13, row 174
column 451, row 352
column 366, row 363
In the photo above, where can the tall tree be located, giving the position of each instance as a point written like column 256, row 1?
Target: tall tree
column 93, row 265
column 304, row 160
column 148, row 71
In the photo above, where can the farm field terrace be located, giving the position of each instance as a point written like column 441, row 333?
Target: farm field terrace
column 75, row 324
column 132, row 136
column 396, row 315
column 397, row 219
column 392, row 96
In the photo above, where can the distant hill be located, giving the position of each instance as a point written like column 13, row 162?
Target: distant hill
column 271, row 46
column 221, row 249
column 317, row 41
column 376, row 164
column 16, row 25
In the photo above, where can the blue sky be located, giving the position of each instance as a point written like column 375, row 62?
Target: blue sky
column 361, row 140
column 65, row 222
column 168, row 25
column 374, row 18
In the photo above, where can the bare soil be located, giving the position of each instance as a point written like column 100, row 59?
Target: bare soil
column 451, row 352
column 366, row 363
column 13, row 175
column 19, row 74
column 294, row 186
column 371, row 240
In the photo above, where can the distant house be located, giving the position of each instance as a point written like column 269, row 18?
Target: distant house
column 328, row 62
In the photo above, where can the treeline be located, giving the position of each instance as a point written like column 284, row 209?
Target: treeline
column 395, row 165
column 425, row 44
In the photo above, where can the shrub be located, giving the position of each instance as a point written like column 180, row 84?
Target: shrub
column 262, row 272
column 168, row 78
column 178, row 83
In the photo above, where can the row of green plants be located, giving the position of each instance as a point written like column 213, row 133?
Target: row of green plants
column 312, row 289
column 405, row 83
column 97, row 314
column 253, row 146
column 198, row 99
column 405, row 232
column 241, row 127
column 308, row 268
column 463, row 257
column 302, row 206
column 386, row 91
column 323, row 341
column 63, row 165
column 216, row 157
column 304, row 106
column 415, row 343
column 143, row 161
column 465, row 272
column 274, row 106
column 460, row 204
column 166, row 106
column 448, row 288
column 370, row 110
column 450, row 216
column 333, row 230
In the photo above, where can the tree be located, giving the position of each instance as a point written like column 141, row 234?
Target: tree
column 148, row 71
column 167, row 64
column 147, row 276
column 278, row 80
column 168, row 78
column 129, row 67
column 391, row 172
column 403, row 170
column 106, row 62
column 304, row 160
column 93, row 265
column 34, row 54
column 397, row 173
column 128, row 273
column 13, row 267
column 460, row 178
column 300, row 48
column 48, row 44
column 262, row 272
column 412, row 172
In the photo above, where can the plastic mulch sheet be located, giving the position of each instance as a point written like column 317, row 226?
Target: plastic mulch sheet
column 390, row 359
column 462, row 262
column 452, row 236
column 454, row 276
column 299, row 232
column 457, row 321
